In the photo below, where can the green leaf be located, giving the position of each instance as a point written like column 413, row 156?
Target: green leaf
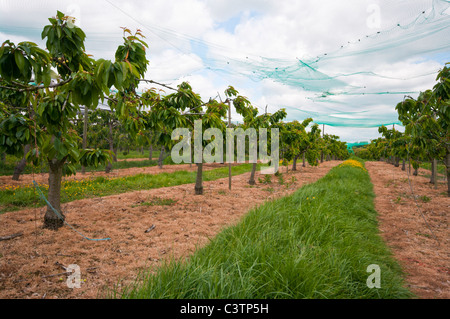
column 58, row 32
column 47, row 77
column 20, row 61
column 45, row 31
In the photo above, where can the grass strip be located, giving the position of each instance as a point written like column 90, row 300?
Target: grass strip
column 316, row 243
column 20, row 197
column 136, row 154
column 7, row 168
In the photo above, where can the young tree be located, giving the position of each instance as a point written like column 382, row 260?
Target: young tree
column 427, row 119
column 253, row 122
column 294, row 140
column 55, row 84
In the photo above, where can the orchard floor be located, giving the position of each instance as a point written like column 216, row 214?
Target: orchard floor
column 179, row 228
column 43, row 177
column 31, row 266
column 416, row 230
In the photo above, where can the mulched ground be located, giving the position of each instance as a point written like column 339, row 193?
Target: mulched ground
column 31, row 266
column 413, row 219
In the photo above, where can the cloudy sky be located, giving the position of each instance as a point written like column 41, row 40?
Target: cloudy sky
column 344, row 63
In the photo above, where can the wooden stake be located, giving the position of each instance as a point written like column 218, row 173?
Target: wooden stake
column 229, row 143
column 85, row 126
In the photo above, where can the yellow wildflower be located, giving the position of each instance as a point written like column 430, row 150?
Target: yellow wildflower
column 353, row 163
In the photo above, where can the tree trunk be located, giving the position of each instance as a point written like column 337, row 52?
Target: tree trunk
column 150, row 152
column 403, row 165
column 51, row 219
column 108, row 168
column 294, row 164
column 396, row 161
column 3, row 157
column 304, row 160
column 161, row 158
column 321, row 157
column 199, row 180
column 252, row 175
column 416, row 172
column 22, row 163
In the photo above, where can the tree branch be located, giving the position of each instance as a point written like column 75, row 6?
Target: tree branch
column 38, row 87
column 11, row 236
column 154, row 82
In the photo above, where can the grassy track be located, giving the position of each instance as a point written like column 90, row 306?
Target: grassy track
column 316, row 243
column 20, row 197
column 7, row 168
column 136, row 154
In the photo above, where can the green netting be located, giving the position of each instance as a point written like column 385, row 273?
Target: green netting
column 422, row 32
column 336, row 88
column 420, row 29
column 357, row 144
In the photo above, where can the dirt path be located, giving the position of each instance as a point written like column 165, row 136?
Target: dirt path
column 179, row 228
column 43, row 178
column 404, row 226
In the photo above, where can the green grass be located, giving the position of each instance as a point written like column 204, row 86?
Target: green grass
column 316, row 243
column 441, row 169
column 137, row 154
column 14, row 198
column 7, row 168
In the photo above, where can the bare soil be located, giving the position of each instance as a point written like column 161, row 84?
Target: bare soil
column 26, row 262
column 413, row 218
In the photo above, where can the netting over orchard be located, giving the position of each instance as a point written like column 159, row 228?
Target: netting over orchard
column 345, row 83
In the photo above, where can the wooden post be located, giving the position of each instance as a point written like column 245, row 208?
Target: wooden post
column 434, row 166
column 229, row 143
column 85, row 125
column 323, row 135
